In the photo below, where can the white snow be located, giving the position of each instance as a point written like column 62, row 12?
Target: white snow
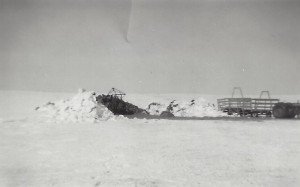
column 132, row 152
column 155, row 108
column 82, row 107
column 192, row 108
column 196, row 108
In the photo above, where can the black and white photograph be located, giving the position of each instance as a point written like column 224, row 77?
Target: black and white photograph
column 150, row 93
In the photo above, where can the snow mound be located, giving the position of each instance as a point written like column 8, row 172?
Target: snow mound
column 193, row 108
column 82, row 107
column 156, row 108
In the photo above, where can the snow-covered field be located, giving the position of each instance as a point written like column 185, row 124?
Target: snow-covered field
column 140, row 152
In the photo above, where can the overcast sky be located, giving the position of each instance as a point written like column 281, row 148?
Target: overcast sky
column 157, row 46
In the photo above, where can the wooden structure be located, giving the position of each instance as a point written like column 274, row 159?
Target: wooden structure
column 247, row 106
column 116, row 93
column 263, row 105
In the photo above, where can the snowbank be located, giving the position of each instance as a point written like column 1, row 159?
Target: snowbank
column 156, row 108
column 82, row 107
column 193, row 108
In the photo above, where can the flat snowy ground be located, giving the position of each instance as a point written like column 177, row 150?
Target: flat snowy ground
column 143, row 152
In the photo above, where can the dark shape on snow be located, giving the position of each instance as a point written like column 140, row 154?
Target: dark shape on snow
column 167, row 114
column 171, row 106
column 114, row 102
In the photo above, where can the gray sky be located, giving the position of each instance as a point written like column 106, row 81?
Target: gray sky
column 157, row 46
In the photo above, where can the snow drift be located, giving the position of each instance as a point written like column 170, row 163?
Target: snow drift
column 193, row 108
column 82, row 107
column 156, row 108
